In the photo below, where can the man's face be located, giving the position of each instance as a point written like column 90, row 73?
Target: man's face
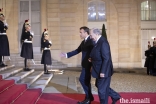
column 28, row 28
column 46, row 37
column 92, row 35
column 83, row 34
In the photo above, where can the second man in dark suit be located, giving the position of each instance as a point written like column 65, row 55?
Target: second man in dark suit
column 102, row 67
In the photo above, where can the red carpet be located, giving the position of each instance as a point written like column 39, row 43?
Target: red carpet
column 5, row 84
column 11, row 94
column 29, row 97
column 73, row 98
column 0, row 77
column 19, row 94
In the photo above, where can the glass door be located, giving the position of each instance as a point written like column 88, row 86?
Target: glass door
column 30, row 9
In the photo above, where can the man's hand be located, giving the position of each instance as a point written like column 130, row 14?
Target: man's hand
column 63, row 55
column 90, row 60
column 102, row 75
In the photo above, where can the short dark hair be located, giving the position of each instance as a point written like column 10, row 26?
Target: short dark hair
column 86, row 29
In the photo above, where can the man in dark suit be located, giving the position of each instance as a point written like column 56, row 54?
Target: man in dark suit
column 85, row 47
column 102, row 67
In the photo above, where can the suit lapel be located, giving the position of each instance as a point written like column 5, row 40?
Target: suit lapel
column 98, row 42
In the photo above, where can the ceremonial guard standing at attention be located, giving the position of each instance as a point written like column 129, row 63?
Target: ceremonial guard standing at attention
column 152, row 58
column 45, row 48
column 147, row 60
column 27, row 46
column 4, row 43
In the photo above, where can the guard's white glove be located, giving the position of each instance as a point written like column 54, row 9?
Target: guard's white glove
column 25, row 40
column 32, row 33
column 5, row 23
column 50, row 42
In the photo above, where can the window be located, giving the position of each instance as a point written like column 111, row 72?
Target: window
column 96, row 11
column 148, row 10
column 30, row 9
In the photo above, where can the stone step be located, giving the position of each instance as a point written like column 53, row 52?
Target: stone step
column 31, row 78
column 41, row 66
column 42, row 81
column 19, row 61
column 36, row 66
column 10, row 72
column 19, row 76
column 29, row 60
column 37, row 62
column 7, row 67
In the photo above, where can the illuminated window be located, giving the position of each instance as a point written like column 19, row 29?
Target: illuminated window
column 96, row 11
column 148, row 10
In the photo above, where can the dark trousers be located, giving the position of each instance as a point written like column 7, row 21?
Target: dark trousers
column 45, row 68
column 148, row 71
column 25, row 63
column 84, row 79
column 104, row 90
column 0, row 60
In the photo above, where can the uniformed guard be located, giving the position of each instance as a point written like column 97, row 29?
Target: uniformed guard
column 26, row 42
column 154, row 45
column 152, row 58
column 147, row 60
column 45, row 48
column 4, row 43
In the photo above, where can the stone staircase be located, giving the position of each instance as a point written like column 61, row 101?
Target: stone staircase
column 25, row 87
column 32, row 78
column 19, row 62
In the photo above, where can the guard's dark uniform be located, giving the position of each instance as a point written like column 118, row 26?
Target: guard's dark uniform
column 26, row 42
column 147, row 60
column 27, row 48
column 4, row 43
column 46, row 55
column 152, row 60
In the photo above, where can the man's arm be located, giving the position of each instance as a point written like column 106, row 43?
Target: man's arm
column 72, row 53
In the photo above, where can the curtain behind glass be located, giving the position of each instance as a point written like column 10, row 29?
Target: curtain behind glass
column 152, row 10
column 101, row 11
column 96, row 11
column 35, row 22
column 92, row 11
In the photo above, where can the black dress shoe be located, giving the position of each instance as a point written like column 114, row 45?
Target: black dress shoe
column 86, row 101
column 3, row 65
column 26, row 69
column 115, row 100
column 46, row 73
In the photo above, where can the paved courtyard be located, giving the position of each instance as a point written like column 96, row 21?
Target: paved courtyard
column 123, row 80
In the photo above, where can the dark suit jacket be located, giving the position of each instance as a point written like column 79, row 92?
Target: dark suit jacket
column 101, row 59
column 85, row 48
column 3, row 28
column 152, row 57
